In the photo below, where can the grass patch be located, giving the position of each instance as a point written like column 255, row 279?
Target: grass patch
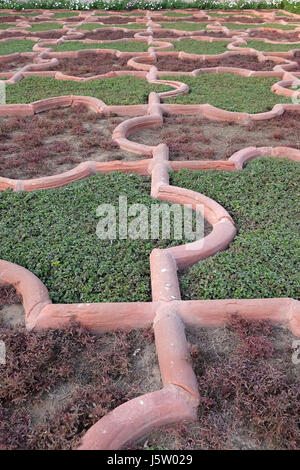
column 7, row 25
column 269, row 47
column 193, row 46
column 255, row 26
column 176, row 14
column 45, row 26
column 53, row 233
column 125, row 46
column 230, row 92
column 133, row 14
column 184, row 26
column 92, row 26
column 119, row 90
column 16, row 45
column 66, row 14
column 261, row 261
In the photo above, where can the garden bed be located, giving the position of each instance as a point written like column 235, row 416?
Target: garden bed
column 108, row 35
column 172, row 63
column 250, row 95
column 92, row 63
column 236, row 413
column 55, row 141
column 14, row 64
column 66, row 380
column 274, row 36
column 195, row 138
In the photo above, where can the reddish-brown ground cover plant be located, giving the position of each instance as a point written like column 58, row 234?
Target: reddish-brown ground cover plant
column 169, row 62
column 166, row 33
column 10, row 18
column 115, row 20
column 15, row 64
column 195, row 138
column 8, row 296
column 11, row 34
column 56, row 141
column 57, row 383
column 214, row 34
column 92, row 63
column 108, row 34
column 274, row 35
column 50, row 34
column 249, row 390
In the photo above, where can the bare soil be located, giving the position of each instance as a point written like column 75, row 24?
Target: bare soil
column 274, row 36
column 249, row 62
column 195, row 138
column 10, row 19
column 14, row 64
column 214, row 34
column 92, row 63
column 249, row 391
column 108, row 34
column 11, row 34
column 55, row 141
column 72, row 20
column 51, row 34
column 243, row 19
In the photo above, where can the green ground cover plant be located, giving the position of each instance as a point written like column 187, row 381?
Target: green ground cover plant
column 16, row 45
column 259, row 25
column 262, row 259
column 193, row 46
column 7, row 25
column 118, row 90
column 230, row 92
column 269, row 47
column 53, row 233
column 184, row 26
column 45, row 26
column 124, row 46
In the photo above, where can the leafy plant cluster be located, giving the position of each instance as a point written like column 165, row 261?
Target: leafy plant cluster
column 118, row 90
column 261, row 262
column 230, row 92
column 56, row 384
